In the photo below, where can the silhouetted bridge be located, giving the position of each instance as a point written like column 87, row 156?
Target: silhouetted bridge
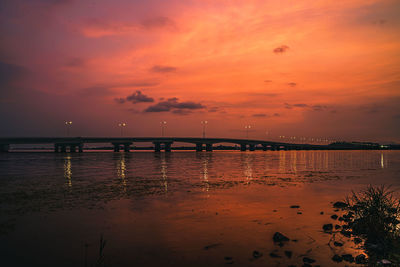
column 73, row 144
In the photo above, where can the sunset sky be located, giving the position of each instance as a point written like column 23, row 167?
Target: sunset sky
column 296, row 68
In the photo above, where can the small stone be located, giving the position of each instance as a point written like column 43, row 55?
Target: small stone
column 337, row 258
column 357, row 240
column 341, row 218
column 278, row 237
column 322, row 213
column 327, row 227
column 334, row 216
column 299, row 212
column 348, row 257
column 257, row 254
column 340, row 205
column 288, row 254
column 337, row 244
column 308, row 260
column 274, row 210
column 295, row 206
column 337, row 226
column 361, row 259
column 385, row 262
column 274, row 255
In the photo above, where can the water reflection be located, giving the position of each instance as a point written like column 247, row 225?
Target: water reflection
column 164, row 176
column 204, row 173
column 121, row 170
column 68, row 170
column 247, row 159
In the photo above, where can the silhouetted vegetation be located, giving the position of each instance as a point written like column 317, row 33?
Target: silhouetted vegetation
column 374, row 215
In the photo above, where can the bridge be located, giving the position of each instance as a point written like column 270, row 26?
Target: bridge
column 74, row 144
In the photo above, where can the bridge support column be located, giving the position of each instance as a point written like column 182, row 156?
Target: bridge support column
column 199, row 147
column 264, row 147
column 273, row 148
column 63, row 148
column 116, row 147
column 252, row 147
column 243, row 147
column 80, row 148
column 157, row 147
column 72, row 148
column 56, row 148
column 4, row 148
column 127, row 147
column 209, row 147
column 167, row 146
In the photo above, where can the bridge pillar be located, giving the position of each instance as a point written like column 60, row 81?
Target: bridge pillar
column 80, row 148
column 264, row 147
column 167, row 146
column 273, row 148
column 63, row 148
column 252, row 147
column 209, row 147
column 127, row 147
column 243, row 147
column 199, row 147
column 72, row 148
column 56, row 148
column 116, row 147
column 4, row 148
column 157, row 146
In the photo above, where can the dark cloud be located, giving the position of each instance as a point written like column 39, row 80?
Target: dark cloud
column 75, row 62
column 158, row 22
column 259, row 115
column 120, row 100
column 173, row 105
column 292, row 84
column 306, row 106
column 139, row 97
column 268, row 81
column 10, row 73
column 276, row 115
column 213, row 109
column 281, row 49
column 162, row 69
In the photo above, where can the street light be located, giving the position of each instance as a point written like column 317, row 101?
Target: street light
column 163, row 124
column 122, row 125
column 247, row 127
column 204, row 128
column 68, row 125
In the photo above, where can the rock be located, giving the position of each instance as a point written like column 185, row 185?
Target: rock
column 385, row 262
column 337, row 244
column 274, row 255
column 334, row 216
column 361, row 259
column 348, row 257
column 337, row 258
column 327, row 227
column 211, row 246
column 279, row 238
column 308, row 260
column 299, row 212
column 257, row 254
column 322, row 213
column 341, row 218
column 288, row 253
column 337, row 226
column 346, row 233
column 357, row 240
column 340, row 205
column 295, row 206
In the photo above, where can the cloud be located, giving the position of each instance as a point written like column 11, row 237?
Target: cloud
column 173, row 105
column 158, row 22
column 10, row 73
column 306, row 106
column 281, row 49
column 163, row 69
column 75, row 62
column 259, row 115
column 292, row 84
column 138, row 97
column 268, row 81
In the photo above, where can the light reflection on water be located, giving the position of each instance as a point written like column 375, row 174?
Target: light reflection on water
column 158, row 199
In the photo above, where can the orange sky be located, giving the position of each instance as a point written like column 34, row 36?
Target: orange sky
column 294, row 68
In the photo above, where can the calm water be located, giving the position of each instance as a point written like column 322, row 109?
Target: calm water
column 179, row 208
